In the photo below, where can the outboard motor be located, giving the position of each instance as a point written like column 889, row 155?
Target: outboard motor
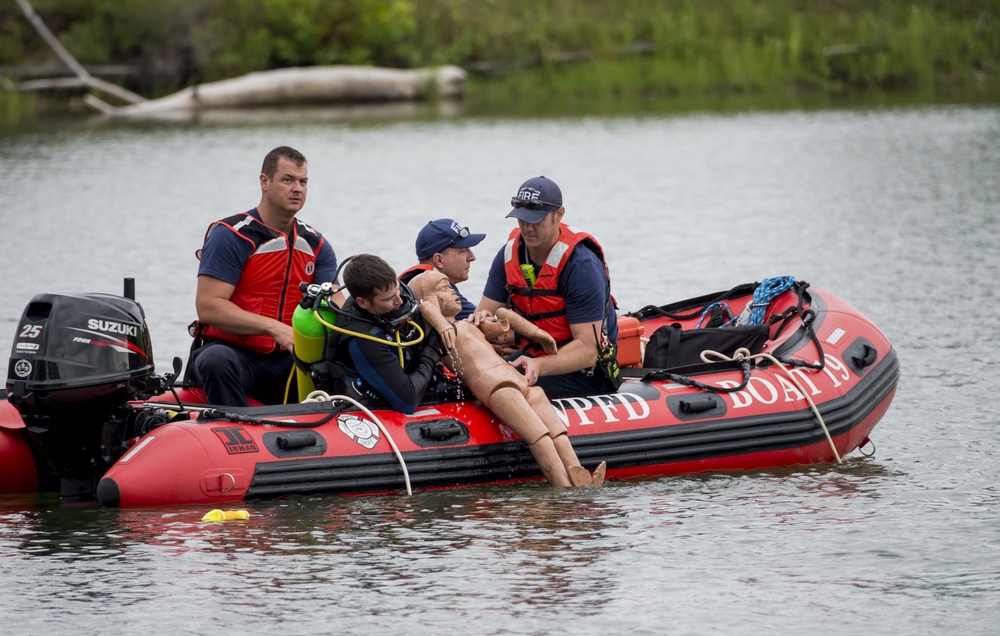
column 77, row 360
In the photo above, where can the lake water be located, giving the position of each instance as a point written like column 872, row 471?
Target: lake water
column 896, row 209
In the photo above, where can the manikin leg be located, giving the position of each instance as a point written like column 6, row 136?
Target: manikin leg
column 509, row 405
column 578, row 475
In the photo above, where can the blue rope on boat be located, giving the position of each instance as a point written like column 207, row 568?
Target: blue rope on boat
column 768, row 290
column 729, row 313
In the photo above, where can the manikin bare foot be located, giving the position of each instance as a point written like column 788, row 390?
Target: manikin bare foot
column 582, row 478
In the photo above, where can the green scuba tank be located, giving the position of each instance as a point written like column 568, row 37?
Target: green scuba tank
column 310, row 337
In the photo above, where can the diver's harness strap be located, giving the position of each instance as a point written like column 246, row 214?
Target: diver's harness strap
column 325, row 373
column 194, row 329
column 531, row 291
column 330, row 373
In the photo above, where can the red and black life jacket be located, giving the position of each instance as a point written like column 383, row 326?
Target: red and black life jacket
column 414, row 271
column 540, row 302
column 269, row 285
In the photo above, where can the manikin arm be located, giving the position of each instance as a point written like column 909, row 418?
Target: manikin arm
column 526, row 328
column 495, row 330
column 430, row 311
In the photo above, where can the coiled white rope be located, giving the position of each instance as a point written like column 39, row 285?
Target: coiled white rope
column 744, row 354
column 323, row 396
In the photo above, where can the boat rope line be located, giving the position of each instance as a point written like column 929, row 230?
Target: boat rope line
column 768, row 290
column 756, row 310
column 808, row 317
column 216, row 414
column 708, row 310
column 744, row 354
column 755, row 313
column 323, row 396
column 676, row 378
column 315, row 396
column 652, row 311
column 864, row 444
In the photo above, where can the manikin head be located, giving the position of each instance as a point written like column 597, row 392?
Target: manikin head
column 433, row 286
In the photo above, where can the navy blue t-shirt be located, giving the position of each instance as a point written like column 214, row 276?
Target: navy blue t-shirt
column 467, row 307
column 583, row 274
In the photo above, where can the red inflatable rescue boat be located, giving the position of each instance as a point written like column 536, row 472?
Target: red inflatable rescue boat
column 760, row 376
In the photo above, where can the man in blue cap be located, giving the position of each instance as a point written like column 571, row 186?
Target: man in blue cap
column 556, row 276
column 446, row 246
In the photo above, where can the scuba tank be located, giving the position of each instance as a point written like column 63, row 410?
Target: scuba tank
column 314, row 327
column 310, row 334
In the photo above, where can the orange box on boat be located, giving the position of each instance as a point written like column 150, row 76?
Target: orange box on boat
column 629, row 341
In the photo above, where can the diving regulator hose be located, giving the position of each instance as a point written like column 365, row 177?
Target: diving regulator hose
column 399, row 343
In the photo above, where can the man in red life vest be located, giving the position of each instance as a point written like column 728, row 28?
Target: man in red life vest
column 445, row 245
column 555, row 276
column 248, row 286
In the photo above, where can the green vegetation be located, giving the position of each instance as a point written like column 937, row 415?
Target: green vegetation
column 533, row 50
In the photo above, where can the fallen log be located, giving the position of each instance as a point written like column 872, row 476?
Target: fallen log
column 308, row 85
column 83, row 76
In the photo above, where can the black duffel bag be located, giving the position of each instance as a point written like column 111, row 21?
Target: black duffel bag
column 670, row 346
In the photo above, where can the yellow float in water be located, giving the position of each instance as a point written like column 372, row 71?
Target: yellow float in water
column 226, row 515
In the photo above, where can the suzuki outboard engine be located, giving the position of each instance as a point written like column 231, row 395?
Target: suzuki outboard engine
column 77, row 360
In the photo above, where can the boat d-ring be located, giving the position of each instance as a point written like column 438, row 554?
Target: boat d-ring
column 231, row 479
column 867, row 442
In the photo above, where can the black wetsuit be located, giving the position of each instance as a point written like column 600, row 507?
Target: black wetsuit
column 372, row 369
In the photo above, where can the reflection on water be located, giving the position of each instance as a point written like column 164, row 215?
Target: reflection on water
column 516, row 548
column 690, row 546
column 276, row 116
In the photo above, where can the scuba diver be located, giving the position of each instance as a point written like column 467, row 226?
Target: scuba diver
column 377, row 351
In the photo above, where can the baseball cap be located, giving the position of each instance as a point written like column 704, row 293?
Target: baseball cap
column 440, row 234
column 536, row 198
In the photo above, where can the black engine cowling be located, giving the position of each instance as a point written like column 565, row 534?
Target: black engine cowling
column 76, row 361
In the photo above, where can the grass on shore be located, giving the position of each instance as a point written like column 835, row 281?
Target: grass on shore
column 540, row 53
